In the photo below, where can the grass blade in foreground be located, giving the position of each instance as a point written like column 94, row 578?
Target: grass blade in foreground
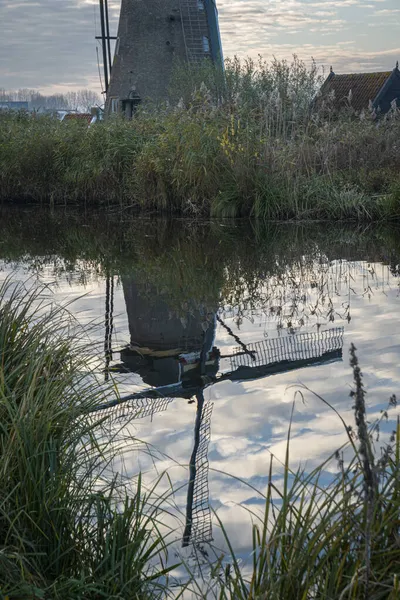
column 335, row 543
column 66, row 529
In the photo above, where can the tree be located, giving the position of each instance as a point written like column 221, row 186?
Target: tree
column 80, row 100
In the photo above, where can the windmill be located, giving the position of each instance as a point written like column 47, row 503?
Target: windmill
column 179, row 362
column 262, row 359
column 153, row 36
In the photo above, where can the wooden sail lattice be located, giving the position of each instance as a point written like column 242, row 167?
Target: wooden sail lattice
column 136, row 408
column 108, row 324
column 300, row 347
column 194, row 26
column 198, row 528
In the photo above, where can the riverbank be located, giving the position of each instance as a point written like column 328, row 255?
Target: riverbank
column 70, row 527
column 254, row 151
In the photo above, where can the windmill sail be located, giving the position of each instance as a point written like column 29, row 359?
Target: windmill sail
column 290, row 348
column 135, row 408
column 257, row 361
column 198, row 528
column 200, row 29
column 277, row 355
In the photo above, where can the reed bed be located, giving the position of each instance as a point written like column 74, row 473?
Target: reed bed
column 332, row 542
column 68, row 530
column 246, row 145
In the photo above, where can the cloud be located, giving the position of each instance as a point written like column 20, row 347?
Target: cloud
column 268, row 25
column 49, row 43
column 387, row 11
column 344, row 58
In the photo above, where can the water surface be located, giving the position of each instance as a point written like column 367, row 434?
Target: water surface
column 225, row 321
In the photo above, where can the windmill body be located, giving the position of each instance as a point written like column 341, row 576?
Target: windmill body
column 153, row 36
column 159, row 336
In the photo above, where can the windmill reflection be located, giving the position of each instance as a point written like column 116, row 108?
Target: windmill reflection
column 178, row 358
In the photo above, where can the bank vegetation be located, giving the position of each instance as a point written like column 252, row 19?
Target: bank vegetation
column 248, row 144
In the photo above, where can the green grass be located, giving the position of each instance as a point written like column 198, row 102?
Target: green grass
column 67, row 528
column 246, row 146
column 327, row 542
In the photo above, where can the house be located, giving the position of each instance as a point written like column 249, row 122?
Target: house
column 361, row 91
column 14, row 106
column 88, row 118
column 81, row 117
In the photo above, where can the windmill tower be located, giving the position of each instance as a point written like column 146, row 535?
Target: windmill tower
column 153, row 35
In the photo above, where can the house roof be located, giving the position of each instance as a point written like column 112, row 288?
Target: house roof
column 87, row 117
column 364, row 87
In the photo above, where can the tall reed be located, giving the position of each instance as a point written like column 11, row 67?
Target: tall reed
column 249, row 144
column 326, row 542
column 68, row 529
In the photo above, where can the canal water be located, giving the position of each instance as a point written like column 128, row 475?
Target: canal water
column 213, row 329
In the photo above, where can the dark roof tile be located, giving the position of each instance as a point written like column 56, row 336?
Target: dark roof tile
column 364, row 87
column 78, row 117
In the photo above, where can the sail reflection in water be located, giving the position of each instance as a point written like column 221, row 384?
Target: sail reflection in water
column 178, row 358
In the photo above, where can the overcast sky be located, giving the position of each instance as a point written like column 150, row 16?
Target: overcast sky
column 50, row 45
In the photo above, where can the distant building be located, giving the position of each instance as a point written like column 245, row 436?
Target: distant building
column 154, row 35
column 57, row 113
column 87, row 118
column 14, row 106
column 361, row 91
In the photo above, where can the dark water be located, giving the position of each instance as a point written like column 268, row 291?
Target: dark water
column 227, row 321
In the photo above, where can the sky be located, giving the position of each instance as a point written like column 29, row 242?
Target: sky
column 49, row 44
